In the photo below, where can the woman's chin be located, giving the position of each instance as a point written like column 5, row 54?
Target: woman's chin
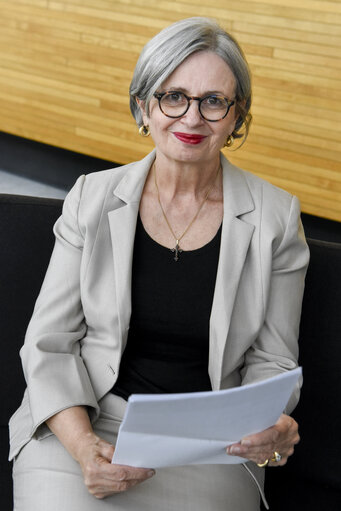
column 188, row 153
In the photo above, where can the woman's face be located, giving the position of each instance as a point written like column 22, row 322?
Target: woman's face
column 201, row 74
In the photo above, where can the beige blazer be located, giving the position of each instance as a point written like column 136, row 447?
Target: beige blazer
column 80, row 323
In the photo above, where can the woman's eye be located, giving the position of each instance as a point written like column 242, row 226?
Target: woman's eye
column 174, row 97
column 215, row 101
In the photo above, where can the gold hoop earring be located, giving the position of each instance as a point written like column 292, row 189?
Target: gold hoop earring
column 229, row 141
column 144, row 131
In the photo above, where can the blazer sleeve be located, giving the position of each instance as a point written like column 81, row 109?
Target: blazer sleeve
column 276, row 347
column 54, row 370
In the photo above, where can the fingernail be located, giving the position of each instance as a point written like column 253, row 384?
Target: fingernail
column 151, row 473
column 234, row 450
column 246, row 442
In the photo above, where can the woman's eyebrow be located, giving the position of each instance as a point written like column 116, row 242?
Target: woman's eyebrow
column 186, row 91
column 175, row 88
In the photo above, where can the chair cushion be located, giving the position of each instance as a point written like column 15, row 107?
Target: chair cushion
column 26, row 244
column 315, row 468
column 26, row 239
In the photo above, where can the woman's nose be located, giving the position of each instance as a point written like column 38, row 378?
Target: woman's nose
column 193, row 116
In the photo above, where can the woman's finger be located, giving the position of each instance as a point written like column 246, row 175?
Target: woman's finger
column 104, row 487
column 281, row 438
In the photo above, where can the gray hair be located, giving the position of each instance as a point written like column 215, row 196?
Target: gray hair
column 170, row 47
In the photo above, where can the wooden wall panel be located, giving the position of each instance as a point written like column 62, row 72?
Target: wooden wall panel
column 66, row 66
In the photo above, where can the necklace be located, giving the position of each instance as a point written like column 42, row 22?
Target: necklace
column 177, row 249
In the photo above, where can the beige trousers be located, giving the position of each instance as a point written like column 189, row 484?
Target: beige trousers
column 46, row 477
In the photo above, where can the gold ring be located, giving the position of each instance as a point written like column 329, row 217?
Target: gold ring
column 263, row 464
column 276, row 457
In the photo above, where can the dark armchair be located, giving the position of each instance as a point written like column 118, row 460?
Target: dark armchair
column 312, row 478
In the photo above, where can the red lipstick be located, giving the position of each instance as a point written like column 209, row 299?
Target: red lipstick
column 189, row 138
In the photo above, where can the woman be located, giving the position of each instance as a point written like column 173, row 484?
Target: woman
column 177, row 273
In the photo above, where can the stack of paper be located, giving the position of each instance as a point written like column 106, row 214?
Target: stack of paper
column 161, row 430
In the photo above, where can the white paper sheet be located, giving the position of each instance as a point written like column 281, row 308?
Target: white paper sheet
column 160, row 430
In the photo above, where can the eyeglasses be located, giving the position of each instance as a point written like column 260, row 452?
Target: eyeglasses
column 175, row 104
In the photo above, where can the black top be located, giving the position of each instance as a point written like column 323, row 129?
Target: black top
column 168, row 341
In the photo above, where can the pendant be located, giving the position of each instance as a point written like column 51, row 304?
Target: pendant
column 176, row 250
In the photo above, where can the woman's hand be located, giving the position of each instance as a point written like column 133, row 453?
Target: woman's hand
column 282, row 437
column 101, row 477
column 72, row 427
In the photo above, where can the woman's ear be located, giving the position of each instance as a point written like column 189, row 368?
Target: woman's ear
column 141, row 105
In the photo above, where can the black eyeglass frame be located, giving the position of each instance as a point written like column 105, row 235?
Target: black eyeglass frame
column 160, row 95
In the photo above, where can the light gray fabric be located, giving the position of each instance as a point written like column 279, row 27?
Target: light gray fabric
column 47, row 478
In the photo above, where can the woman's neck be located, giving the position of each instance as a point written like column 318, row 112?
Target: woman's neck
column 177, row 178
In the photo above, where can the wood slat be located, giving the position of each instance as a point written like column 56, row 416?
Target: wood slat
column 66, row 66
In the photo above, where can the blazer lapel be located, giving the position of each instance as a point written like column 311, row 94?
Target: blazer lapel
column 122, row 223
column 235, row 239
